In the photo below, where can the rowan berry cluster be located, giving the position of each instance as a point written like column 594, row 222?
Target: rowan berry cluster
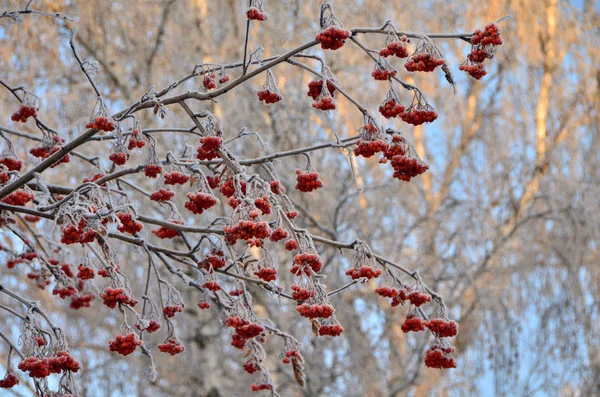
column 439, row 357
column 268, row 96
column 136, row 141
column 315, row 311
column 208, row 148
column 331, row 330
column 395, row 48
column 9, row 380
column 413, row 323
column 93, row 178
column 210, row 81
column 267, row 274
column 324, row 103
column 85, row 273
column 41, row 367
column 124, row 344
column 11, row 163
column 64, row 292
column 489, row 37
column 152, row 170
column 128, row 224
column 24, row 113
column 203, row 305
column 406, row 168
column 477, row 70
column 162, row 195
column 278, row 234
column 164, row 232
column 263, row 204
column 214, row 260
column 171, row 346
column 247, row 230
column 423, row 62
column 417, row 115
column 383, row 73
column 301, row 293
column 175, row 178
column 333, row 37
column 276, row 187
column 79, row 301
column 307, row 181
column 368, row 148
column 227, row 189
column 387, row 292
column 367, row 272
column 244, row 330
column 291, row 245
column 19, row 198
column 118, row 158
column 102, row 124
column 250, row 367
column 418, row 298
column 391, row 108
column 31, row 218
column 443, row 328
column 212, row 286
column 77, row 234
column 152, row 327
column 254, row 14
column 171, row 310
column 4, row 177
column 292, row 354
column 114, row 296
column 306, row 262
column 261, row 386
column 315, row 88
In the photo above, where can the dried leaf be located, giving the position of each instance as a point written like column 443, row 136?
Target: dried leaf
column 298, row 371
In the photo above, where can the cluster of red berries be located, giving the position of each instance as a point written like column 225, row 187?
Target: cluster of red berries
column 307, row 181
column 418, row 298
column 418, row 116
column 24, row 113
column 212, row 286
column 63, row 266
column 267, row 274
column 261, row 386
column 423, row 62
column 438, row 357
column 175, row 178
column 210, row 81
column 118, row 158
column 43, row 367
column 244, row 330
column 304, row 261
column 367, row 272
column 64, row 292
column 44, row 152
column 208, row 147
column 477, row 70
column 203, row 305
column 315, row 311
column 171, row 346
column 268, row 96
column 79, row 301
column 291, row 214
column 167, row 232
column 291, row 245
column 153, row 326
column 114, row 296
column 250, row 367
column 396, row 48
column 489, row 36
column 413, row 323
column 171, row 310
column 387, row 292
column 215, row 260
column 254, row 14
column 325, row 103
column 262, row 203
column 152, row 170
column 11, row 263
column 32, row 218
column 246, row 230
column 367, row 148
column 227, row 189
column 383, row 74
column 331, row 330
column 391, row 108
column 11, row 163
column 278, row 234
column 333, row 37
column 136, row 141
column 300, row 293
column 93, row 178
column 18, row 197
column 224, row 79
column 162, row 195
column 128, row 224
column 124, row 344
column 199, row 202
column 77, row 234
column 443, row 328
column 276, row 187
column 406, row 168
column 9, row 380
column 29, row 256
column 4, row 177
column 315, row 88
column 291, row 354
column 102, row 124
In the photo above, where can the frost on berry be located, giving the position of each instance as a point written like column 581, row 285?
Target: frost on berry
column 426, row 57
column 391, row 106
column 24, row 113
column 394, row 45
column 307, row 181
column 372, row 139
column 365, row 265
column 383, row 70
column 483, row 46
column 269, row 93
column 332, row 35
column 9, row 380
column 124, row 344
column 256, row 11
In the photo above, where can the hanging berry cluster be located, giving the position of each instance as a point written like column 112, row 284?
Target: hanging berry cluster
column 24, row 113
column 484, row 44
